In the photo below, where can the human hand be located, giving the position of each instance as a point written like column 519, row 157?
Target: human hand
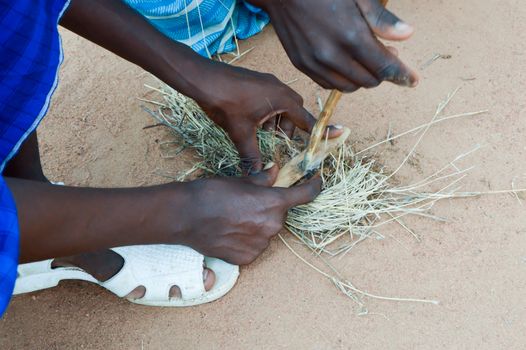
column 334, row 42
column 234, row 218
column 240, row 100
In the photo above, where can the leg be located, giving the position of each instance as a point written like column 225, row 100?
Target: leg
column 26, row 164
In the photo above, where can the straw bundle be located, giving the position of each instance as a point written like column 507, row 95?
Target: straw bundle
column 357, row 196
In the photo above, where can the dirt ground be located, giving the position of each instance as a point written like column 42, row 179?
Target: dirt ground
column 475, row 263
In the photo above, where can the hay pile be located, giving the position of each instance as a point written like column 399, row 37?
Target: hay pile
column 358, row 197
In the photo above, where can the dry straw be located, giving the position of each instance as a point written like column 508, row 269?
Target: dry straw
column 358, row 197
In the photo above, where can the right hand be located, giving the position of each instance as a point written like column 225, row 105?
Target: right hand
column 334, row 41
column 234, row 218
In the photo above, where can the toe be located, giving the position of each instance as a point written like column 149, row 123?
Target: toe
column 137, row 293
column 209, row 279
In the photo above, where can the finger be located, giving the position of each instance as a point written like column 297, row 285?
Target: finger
column 305, row 121
column 302, row 194
column 248, row 148
column 303, row 62
column 371, row 53
column 322, row 70
column 335, row 130
column 354, row 72
column 267, row 177
column 270, row 124
column 395, row 71
column 383, row 22
column 286, row 126
column 383, row 64
column 393, row 50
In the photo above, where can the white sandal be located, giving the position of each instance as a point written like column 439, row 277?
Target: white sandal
column 156, row 267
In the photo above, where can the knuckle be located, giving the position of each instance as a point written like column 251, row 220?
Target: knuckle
column 347, row 87
column 279, row 199
column 388, row 71
column 377, row 15
column 326, row 85
column 299, row 61
column 297, row 98
column 325, row 55
column 353, row 36
column 371, row 83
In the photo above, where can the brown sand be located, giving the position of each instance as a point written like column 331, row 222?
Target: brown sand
column 475, row 264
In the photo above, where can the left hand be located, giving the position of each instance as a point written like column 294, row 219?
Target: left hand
column 240, row 100
column 237, row 99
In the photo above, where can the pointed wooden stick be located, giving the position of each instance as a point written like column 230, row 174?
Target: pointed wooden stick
column 319, row 131
column 292, row 172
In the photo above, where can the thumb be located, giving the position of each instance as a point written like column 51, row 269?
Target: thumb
column 267, row 177
column 248, row 148
column 305, row 121
column 383, row 22
column 302, row 194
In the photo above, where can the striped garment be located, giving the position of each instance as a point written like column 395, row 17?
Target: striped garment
column 208, row 26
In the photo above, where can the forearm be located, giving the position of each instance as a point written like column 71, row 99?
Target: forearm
column 118, row 28
column 60, row 221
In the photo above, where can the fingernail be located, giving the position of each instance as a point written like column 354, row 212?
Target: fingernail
column 338, row 126
column 205, row 274
column 402, row 28
column 269, row 166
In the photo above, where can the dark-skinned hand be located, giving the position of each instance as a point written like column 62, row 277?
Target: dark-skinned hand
column 237, row 99
column 240, row 100
column 234, row 218
column 335, row 41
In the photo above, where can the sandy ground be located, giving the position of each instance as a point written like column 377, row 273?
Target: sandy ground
column 475, row 264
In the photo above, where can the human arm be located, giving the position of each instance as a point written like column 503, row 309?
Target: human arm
column 228, row 218
column 237, row 99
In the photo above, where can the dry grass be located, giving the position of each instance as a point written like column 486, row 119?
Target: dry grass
column 357, row 199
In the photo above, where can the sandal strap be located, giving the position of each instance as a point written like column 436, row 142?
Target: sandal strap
column 44, row 267
column 158, row 268
column 34, row 267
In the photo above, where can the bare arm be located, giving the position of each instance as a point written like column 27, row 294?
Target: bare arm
column 59, row 221
column 119, row 29
column 237, row 99
column 228, row 218
column 231, row 219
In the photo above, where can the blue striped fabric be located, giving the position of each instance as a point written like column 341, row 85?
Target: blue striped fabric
column 208, row 26
column 30, row 54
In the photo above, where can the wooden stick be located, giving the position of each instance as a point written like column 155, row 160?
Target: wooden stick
column 292, row 172
column 319, row 130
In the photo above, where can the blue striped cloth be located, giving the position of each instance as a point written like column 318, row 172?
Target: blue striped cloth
column 207, row 26
column 30, row 54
